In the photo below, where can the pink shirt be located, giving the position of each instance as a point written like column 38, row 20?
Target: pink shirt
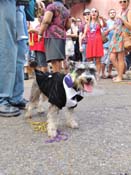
column 57, row 28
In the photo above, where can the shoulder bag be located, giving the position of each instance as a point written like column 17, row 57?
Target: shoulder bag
column 127, row 41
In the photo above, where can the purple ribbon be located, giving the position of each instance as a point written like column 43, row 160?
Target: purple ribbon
column 61, row 136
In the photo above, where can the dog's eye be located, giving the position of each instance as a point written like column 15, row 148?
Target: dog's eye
column 92, row 70
column 80, row 71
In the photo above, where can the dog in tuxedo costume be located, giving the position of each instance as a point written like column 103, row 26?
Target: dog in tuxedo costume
column 61, row 90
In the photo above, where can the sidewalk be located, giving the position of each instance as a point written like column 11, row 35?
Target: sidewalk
column 101, row 146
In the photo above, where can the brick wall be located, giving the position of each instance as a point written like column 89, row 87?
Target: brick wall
column 102, row 5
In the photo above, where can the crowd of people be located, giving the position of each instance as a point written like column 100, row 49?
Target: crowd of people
column 56, row 38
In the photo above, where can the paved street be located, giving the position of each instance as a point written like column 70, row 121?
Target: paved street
column 101, row 146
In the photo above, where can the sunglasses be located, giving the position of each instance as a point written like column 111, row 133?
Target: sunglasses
column 112, row 12
column 86, row 14
column 122, row 2
column 94, row 11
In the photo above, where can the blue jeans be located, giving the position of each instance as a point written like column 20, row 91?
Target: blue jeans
column 12, row 52
column 21, row 30
column 84, row 53
column 8, row 48
column 19, row 77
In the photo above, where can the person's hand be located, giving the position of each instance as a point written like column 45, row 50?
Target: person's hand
column 32, row 31
column 81, row 49
column 109, row 30
column 100, row 17
column 106, row 32
column 39, row 37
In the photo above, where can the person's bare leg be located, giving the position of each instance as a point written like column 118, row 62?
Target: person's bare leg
column 98, row 66
column 103, row 70
column 56, row 66
column 26, row 75
column 113, row 58
column 110, row 70
column 65, row 65
column 42, row 69
column 121, row 66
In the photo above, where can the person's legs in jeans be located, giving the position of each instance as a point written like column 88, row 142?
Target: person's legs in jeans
column 84, row 53
column 8, row 55
column 104, row 62
column 19, row 78
column 109, row 66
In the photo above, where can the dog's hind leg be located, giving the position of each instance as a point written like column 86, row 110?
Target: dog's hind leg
column 42, row 99
column 52, row 120
column 34, row 99
column 70, row 121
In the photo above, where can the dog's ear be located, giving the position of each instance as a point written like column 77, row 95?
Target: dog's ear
column 92, row 68
column 72, row 65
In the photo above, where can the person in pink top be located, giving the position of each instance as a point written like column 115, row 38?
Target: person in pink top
column 54, row 25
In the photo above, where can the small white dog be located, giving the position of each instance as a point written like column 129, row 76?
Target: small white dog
column 61, row 91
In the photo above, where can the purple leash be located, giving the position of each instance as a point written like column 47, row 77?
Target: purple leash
column 59, row 137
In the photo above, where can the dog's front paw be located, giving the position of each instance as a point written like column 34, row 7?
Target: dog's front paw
column 73, row 124
column 52, row 133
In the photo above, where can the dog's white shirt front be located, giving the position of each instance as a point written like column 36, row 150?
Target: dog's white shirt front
column 71, row 93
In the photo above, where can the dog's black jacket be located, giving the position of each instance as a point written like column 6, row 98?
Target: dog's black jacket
column 51, row 84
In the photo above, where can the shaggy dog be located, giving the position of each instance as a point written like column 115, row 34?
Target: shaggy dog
column 61, row 90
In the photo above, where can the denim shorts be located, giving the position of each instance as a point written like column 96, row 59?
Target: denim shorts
column 40, row 59
column 106, row 58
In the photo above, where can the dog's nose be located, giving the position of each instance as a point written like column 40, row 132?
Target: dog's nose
column 89, row 79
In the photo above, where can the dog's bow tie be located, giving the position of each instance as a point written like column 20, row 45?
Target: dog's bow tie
column 68, row 81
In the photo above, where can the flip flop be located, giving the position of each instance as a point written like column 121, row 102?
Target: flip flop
column 103, row 77
column 116, row 81
column 110, row 76
column 114, row 78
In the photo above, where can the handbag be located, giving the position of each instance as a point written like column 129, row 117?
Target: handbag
column 22, row 2
column 127, row 41
column 31, row 39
